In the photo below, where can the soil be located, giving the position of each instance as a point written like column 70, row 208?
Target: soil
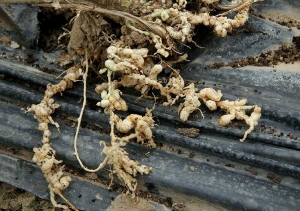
column 279, row 18
column 189, row 132
column 14, row 199
column 123, row 203
column 275, row 179
column 286, row 54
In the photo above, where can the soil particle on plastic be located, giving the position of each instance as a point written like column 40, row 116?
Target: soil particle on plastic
column 91, row 176
column 180, row 151
column 4, row 40
column 252, row 172
column 291, row 136
column 281, row 19
column 189, row 132
column 141, row 194
column 30, row 59
column 285, row 54
column 167, row 201
column 272, row 130
column 192, row 154
column 274, row 178
column 296, row 41
column 230, row 165
column 72, row 121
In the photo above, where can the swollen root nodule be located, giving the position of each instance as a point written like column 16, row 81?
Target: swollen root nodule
column 135, row 57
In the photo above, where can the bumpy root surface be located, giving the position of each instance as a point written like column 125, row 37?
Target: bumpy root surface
column 44, row 157
column 147, row 44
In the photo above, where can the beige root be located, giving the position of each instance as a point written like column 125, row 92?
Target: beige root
column 45, row 156
column 162, row 24
column 129, row 63
column 138, row 70
column 234, row 109
column 212, row 99
column 180, row 22
column 142, row 125
column 125, row 168
column 191, row 102
column 237, row 110
column 222, row 25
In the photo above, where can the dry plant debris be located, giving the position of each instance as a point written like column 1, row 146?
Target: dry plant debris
column 134, row 57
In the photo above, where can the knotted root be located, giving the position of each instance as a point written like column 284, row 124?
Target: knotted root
column 136, row 60
column 44, row 157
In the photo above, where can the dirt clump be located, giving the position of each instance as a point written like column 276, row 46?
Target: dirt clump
column 189, row 132
column 275, row 179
